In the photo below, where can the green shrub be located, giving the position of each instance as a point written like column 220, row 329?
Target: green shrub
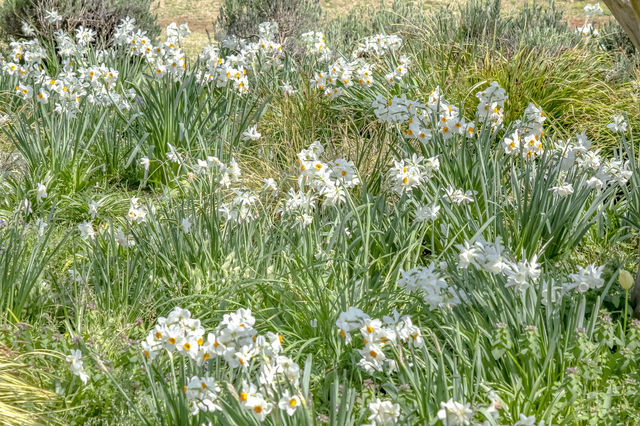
column 241, row 18
column 101, row 16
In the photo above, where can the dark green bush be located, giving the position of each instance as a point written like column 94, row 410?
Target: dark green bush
column 99, row 15
column 613, row 38
column 241, row 17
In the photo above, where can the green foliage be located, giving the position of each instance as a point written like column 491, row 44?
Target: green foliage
column 137, row 217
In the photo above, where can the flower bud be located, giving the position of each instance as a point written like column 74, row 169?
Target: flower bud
column 625, row 279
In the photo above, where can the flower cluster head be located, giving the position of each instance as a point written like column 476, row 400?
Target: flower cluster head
column 491, row 257
column 458, row 196
column 423, row 120
column 342, row 74
column 587, row 278
column 428, row 280
column 378, row 335
column 137, row 212
column 383, row 413
column 166, row 58
column 410, row 173
column 97, row 84
column 271, row 379
column 232, row 69
column 526, row 137
column 319, row 181
column 591, row 10
column 241, row 208
column 598, row 172
column 619, row 124
column 490, row 109
column 222, row 72
column 399, row 71
column 378, row 45
column 75, row 364
column 315, row 44
column 588, row 29
column 453, row 413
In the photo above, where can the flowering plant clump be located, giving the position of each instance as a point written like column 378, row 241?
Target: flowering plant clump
column 362, row 232
column 271, row 380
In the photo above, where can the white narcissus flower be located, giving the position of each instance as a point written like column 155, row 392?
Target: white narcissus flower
column 76, row 366
column 562, row 190
column 186, row 225
column 145, row 162
column 619, row 124
column 86, row 230
column 251, row 133
column 454, row 413
column 587, row 278
column 41, row 192
column 270, row 184
column 52, row 16
column 93, row 208
column 258, row 406
column 384, row 413
column 427, row 213
column 289, row 403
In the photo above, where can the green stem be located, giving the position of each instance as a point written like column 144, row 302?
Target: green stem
column 626, row 304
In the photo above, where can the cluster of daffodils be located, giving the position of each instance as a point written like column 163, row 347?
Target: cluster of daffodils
column 166, row 58
column 319, row 181
column 597, row 172
column 271, row 379
column 490, row 109
column 223, row 72
column 399, row 71
column 341, row 75
column 242, row 204
column 455, row 413
column 491, row 257
column 383, row 413
column 585, row 279
column 526, row 139
column 315, row 45
column 137, row 212
column 378, row 335
column 429, row 281
column 232, row 69
column 422, row 120
column 378, row 45
column 410, row 173
column 95, row 83
column 590, row 11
